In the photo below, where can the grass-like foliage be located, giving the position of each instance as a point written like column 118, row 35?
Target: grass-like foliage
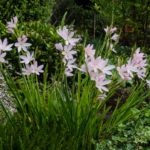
column 68, row 113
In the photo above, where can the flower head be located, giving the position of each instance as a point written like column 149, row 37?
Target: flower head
column 4, row 46
column 21, row 44
column 68, row 37
column 59, row 46
column 101, row 82
column 27, row 71
column 37, row 69
column 89, row 51
column 68, row 52
column 115, row 37
column 27, row 59
column 2, row 55
column 12, row 24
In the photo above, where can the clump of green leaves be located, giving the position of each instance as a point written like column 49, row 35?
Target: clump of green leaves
column 134, row 134
column 26, row 9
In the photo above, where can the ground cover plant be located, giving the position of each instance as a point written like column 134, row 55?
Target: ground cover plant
column 69, row 109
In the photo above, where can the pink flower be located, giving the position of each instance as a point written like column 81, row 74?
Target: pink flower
column 68, row 72
column 83, row 68
column 12, row 23
column 27, row 59
column 106, row 29
column 94, row 75
column 137, row 57
column 2, row 55
column 59, row 46
column 102, row 96
column 68, row 37
column 89, row 51
column 68, row 52
column 112, row 48
column 4, row 46
column 94, row 64
column 131, row 67
column 112, row 30
column 115, row 37
column 141, row 73
column 37, row 69
column 21, row 44
column 27, row 71
column 123, row 72
column 106, row 69
column 71, row 64
column 100, row 83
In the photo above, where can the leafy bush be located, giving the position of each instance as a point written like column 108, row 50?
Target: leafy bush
column 134, row 134
column 26, row 10
column 130, row 16
column 81, row 14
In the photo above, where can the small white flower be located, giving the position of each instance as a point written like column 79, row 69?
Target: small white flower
column 59, row 46
column 12, row 23
column 27, row 71
column 2, row 57
column 27, row 59
column 112, row 48
column 21, row 44
column 68, row 52
column 4, row 46
column 37, row 69
column 115, row 37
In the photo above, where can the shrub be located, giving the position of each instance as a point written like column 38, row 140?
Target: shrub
column 26, row 10
column 130, row 16
column 134, row 134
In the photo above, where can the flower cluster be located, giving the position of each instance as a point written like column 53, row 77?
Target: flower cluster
column 27, row 58
column 111, row 31
column 113, row 37
column 21, row 44
column 136, row 65
column 97, row 68
column 3, row 48
column 67, row 50
column 12, row 24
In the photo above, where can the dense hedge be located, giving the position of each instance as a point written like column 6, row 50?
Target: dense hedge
column 26, row 9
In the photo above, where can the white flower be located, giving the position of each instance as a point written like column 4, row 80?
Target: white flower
column 100, row 83
column 71, row 65
column 59, row 46
column 12, row 23
column 68, row 72
column 68, row 37
column 115, row 37
column 2, row 57
column 4, row 46
column 27, row 71
column 102, row 96
column 112, row 48
column 37, row 69
column 89, row 51
column 68, row 53
column 21, row 44
column 27, row 59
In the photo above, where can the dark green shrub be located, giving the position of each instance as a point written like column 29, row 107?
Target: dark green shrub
column 130, row 16
column 26, row 10
column 134, row 134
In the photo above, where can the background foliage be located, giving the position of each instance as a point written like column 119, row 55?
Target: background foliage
column 26, row 10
